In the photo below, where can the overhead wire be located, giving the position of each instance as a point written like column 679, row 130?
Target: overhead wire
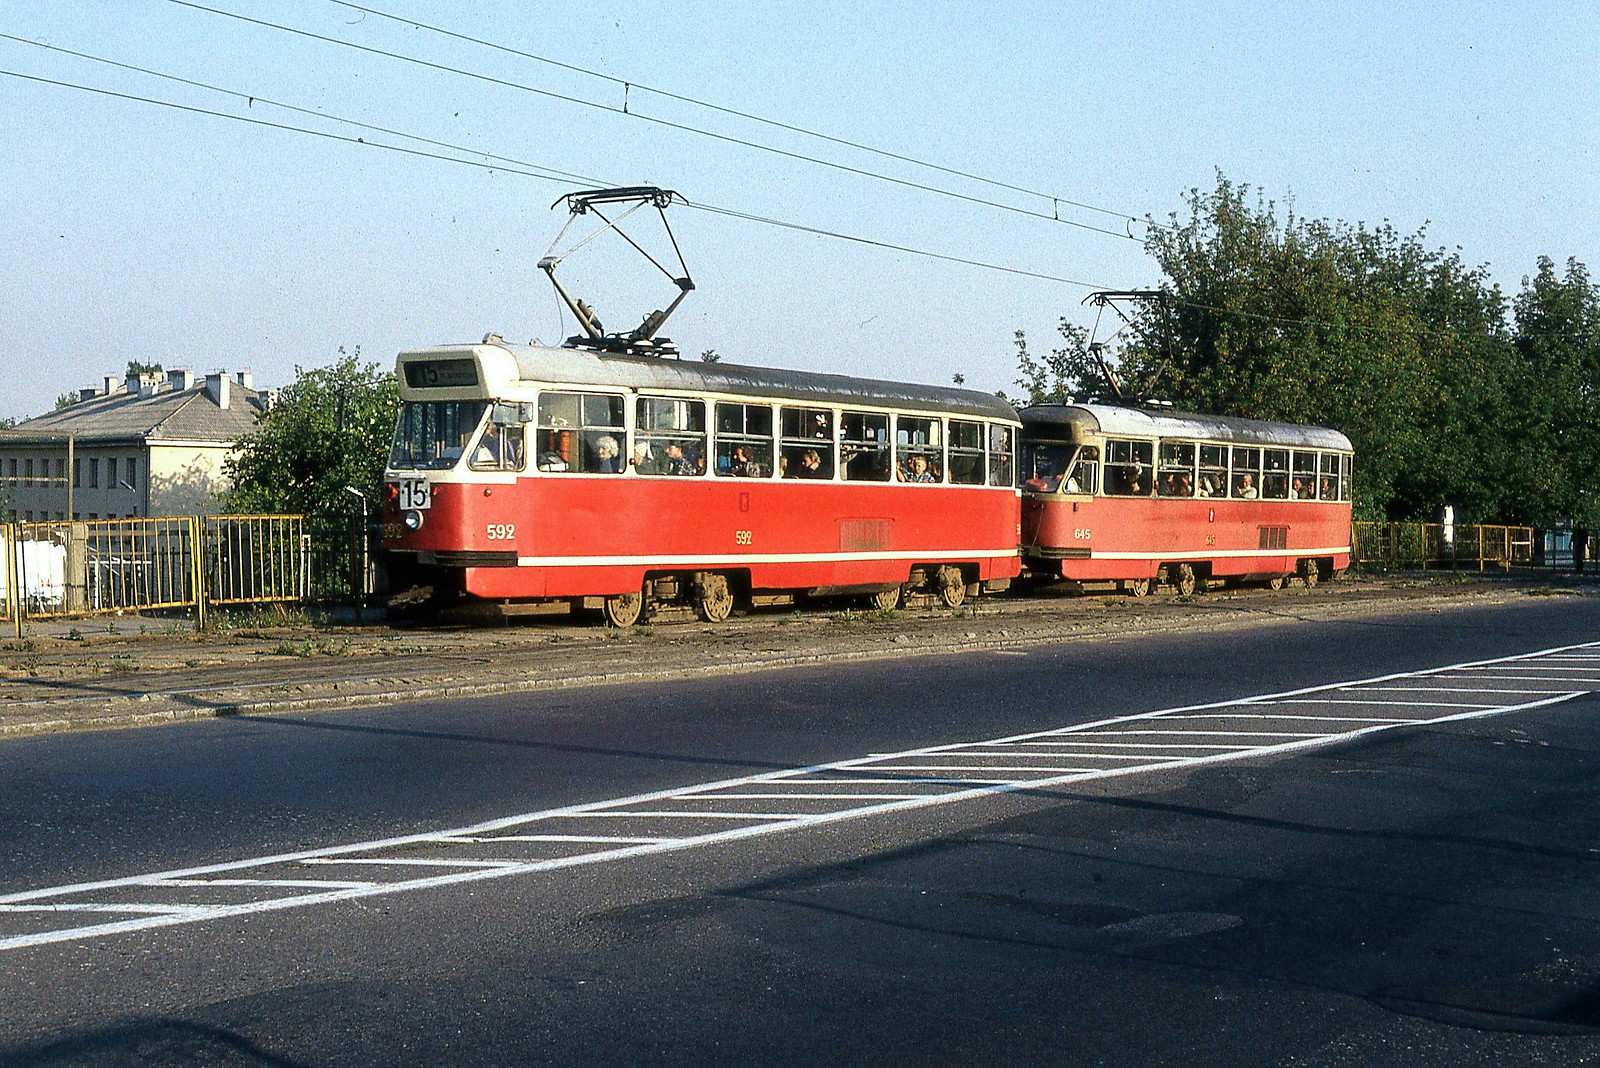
column 629, row 84
column 508, row 165
column 683, row 127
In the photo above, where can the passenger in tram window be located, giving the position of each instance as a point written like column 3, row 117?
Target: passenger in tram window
column 678, row 462
column 606, row 458
column 1167, row 486
column 1299, row 490
column 641, row 456
column 1183, row 487
column 819, row 426
column 1328, row 493
column 740, row 465
column 1245, row 487
column 917, row 470
column 811, row 465
column 496, row 448
column 1208, row 486
column 1138, row 481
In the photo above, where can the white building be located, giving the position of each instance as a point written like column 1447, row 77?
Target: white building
column 140, row 446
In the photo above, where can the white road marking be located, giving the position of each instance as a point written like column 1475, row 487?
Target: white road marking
column 946, row 783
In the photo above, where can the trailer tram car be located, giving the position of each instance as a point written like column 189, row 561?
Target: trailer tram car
column 621, row 482
column 1141, row 497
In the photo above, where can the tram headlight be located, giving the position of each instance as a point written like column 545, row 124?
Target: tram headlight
column 412, row 519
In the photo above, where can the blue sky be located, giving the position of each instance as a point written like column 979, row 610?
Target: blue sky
column 138, row 232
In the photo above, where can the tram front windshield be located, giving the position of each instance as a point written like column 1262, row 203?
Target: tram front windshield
column 1044, row 463
column 433, row 435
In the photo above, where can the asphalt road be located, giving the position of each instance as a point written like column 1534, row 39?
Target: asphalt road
column 1417, row 896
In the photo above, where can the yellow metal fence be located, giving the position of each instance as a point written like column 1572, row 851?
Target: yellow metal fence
column 1425, row 545
column 128, row 565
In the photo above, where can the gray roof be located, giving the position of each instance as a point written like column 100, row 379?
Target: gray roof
column 166, row 415
column 578, row 366
column 1144, row 423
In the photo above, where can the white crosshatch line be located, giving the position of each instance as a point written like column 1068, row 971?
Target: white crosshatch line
column 877, row 784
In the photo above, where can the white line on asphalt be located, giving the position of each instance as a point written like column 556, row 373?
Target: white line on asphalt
column 49, row 899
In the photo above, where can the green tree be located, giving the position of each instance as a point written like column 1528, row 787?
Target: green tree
column 1404, row 348
column 136, row 368
column 1070, row 371
column 1557, row 338
column 330, row 428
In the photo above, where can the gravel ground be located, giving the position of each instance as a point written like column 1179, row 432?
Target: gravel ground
column 100, row 673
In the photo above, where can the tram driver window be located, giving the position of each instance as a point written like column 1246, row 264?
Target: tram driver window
column 807, row 448
column 670, row 436
column 580, row 432
column 744, row 440
column 919, row 449
column 1128, row 468
column 864, row 446
column 499, row 447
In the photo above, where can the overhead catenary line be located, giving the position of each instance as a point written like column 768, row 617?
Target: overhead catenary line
column 527, row 170
column 683, row 127
column 632, row 84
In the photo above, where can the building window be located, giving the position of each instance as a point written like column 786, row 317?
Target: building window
column 111, row 472
column 27, row 472
column 13, row 469
column 61, row 473
column 133, row 471
column 77, row 475
column 94, row 474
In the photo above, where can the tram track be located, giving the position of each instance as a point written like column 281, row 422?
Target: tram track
column 250, row 679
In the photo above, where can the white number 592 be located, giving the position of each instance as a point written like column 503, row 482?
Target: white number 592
column 502, row 531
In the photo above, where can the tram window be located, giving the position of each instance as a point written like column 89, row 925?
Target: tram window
column 1084, row 476
column 428, row 435
column 580, row 432
column 864, row 446
column 1344, row 478
column 1213, row 471
column 1044, row 463
column 1275, row 474
column 744, row 440
column 918, row 449
column 1303, row 482
column 1175, row 474
column 499, row 448
column 669, row 436
column 1128, row 468
column 966, row 453
column 1328, row 483
column 1001, row 470
column 1246, row 474
column 806, row 448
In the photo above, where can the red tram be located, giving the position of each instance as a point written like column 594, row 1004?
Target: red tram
column 1137, row 496
column 621, row 481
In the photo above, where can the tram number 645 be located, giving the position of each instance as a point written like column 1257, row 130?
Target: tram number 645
column 1081, row 533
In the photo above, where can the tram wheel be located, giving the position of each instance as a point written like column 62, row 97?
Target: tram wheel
column 1311, row 574
column 888, row 600
column 1136, row 587
column 1275, row 583
column 952, row 587
column 1186, row 581
column 623, row 610
column 713, row 601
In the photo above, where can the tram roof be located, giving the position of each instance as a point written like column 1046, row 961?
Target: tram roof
column 1144, row 423
column 586, row 367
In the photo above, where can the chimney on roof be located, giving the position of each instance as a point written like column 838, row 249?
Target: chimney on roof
column 108, row 384
column 180, row 380
column 217, row 387
column 87, row 393
column 142, row 385
column 245, row 378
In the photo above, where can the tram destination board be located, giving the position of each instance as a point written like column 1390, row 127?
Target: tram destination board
column 423, row 374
